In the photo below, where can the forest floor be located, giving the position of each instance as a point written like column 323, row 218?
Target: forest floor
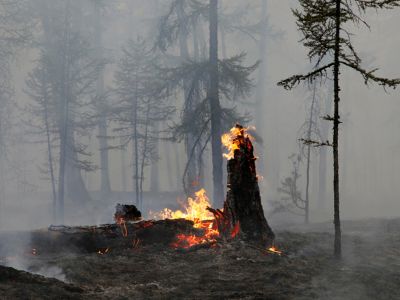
column 370, row 269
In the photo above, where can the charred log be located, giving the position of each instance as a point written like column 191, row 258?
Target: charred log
column 127, row 213
column 127, row 235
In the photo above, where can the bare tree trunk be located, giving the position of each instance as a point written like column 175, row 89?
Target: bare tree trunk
column 213, row 96
column 336, row 71
column 64, row 120
column 2, row 170
column 61, row 174
column 322, row 165
column 307, row 203
column 189, row 106
column 50, row 160
column 105, row 186
column 75, row 185
column 260, row 91
column 144, row 155
column 154, row 171
column 123, row 168
column 136, row 152
column 199, row 148
column 175, row 147
column 168, row 158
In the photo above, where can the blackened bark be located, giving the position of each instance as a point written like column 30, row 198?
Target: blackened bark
column 215, row 107
column 243, row 199
column 336, row 121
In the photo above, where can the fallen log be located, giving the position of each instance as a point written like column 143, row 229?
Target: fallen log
column 126, row 235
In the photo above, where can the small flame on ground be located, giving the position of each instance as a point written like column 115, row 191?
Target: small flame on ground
column 235, row 230
column 196, row 211
column 121, row 222
column 273, row 249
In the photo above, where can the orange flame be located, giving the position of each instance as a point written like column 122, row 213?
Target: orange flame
column 273, row 249
column 232, row 139
column 196, row 211
column 121, row 222
column 235, row 230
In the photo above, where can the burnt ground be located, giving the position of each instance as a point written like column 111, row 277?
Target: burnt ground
column 370, row 269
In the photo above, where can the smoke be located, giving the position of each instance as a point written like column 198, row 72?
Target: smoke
column 25, row 264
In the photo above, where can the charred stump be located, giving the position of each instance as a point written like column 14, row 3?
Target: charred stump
column 243, row 201
column 127, row 213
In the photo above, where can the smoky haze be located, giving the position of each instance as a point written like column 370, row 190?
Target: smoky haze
column 369, row 143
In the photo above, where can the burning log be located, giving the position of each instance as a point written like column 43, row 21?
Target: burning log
column 243, row 201
column 107, row 238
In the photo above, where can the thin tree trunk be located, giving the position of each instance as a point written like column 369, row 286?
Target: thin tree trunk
column 189, row 106
column 50, row 161
column 123, row 168
column 144, row 153
column 260, row 91
column 64, row 121
column 178, row 155
column 322, row 169
column 105, row 186
column 198, row 151
column 215, row 107
column 168, row 159
column 2, row 170
column 336, row 71
column 154, row 172
column 307, row 203
column 75, row 186
column 136, row 151
column 61, row 175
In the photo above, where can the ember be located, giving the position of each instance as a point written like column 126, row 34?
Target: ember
column 274, row 250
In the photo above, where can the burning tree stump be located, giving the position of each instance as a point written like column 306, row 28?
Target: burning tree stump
column 243, row 201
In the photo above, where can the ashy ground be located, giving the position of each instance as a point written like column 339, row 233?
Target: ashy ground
column 370, row 269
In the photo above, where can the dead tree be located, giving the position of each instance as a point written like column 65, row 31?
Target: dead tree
column 243, row 201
